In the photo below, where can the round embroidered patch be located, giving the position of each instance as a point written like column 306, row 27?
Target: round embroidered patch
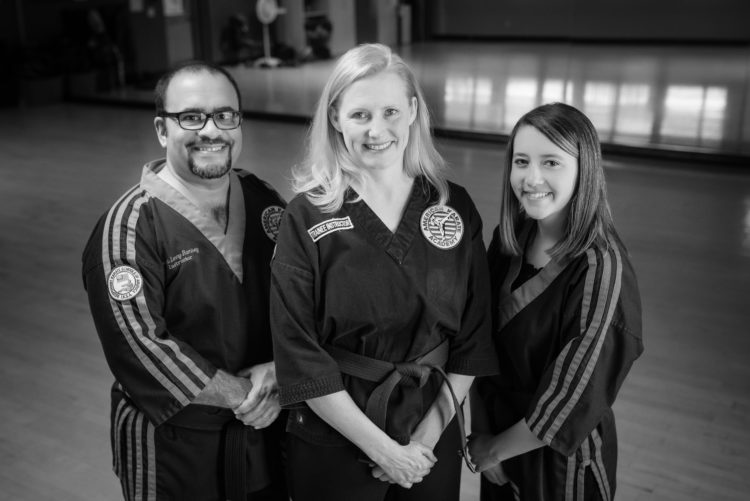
column 271, row 220
column 124, row 283
column 442, row 226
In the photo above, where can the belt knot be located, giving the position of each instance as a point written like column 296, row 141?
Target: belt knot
column 417, row 372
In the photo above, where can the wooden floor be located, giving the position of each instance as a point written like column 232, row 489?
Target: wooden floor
column 683, row 414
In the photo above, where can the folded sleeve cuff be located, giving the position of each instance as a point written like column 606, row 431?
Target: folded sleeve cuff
column 473, row 366
column 295, row 393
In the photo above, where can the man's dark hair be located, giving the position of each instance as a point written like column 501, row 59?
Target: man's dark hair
column 160, row 91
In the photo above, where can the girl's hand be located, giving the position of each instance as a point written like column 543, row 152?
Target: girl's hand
column 496, row 475
column 481, row 451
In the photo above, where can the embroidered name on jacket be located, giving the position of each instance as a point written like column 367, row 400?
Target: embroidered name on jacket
column 183, row 256
column 329, row 226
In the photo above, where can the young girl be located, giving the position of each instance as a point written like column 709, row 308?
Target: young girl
column 567, row 320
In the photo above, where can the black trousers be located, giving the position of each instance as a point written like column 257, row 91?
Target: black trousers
column 543, row 489
column 189, row 465
column 318, row 472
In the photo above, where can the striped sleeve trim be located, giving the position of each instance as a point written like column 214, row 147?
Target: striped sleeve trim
column 597, row 466
column 570, row 478
column 588, row 457
column 162, row 358
column 120, row 413
column 578, row 359
column 516, row 490
column 135, row 455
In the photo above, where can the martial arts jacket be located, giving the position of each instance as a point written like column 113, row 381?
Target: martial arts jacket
column 566, row 337
column 173, row 297
column 344, row 279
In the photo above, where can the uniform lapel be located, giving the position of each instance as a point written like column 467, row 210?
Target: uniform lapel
column 230, row 244
column 368, row 222
column 398, row 243
column 512, row 302
column 408, row 228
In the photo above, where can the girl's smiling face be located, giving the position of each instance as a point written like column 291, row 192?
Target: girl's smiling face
column 543, row 176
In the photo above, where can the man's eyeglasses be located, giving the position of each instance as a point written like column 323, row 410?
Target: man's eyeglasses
column 196, row 120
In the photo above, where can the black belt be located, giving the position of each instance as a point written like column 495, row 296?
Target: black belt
column 391, row 374
column 237, row 447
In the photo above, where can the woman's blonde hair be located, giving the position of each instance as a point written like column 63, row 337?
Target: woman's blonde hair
column 328, row 170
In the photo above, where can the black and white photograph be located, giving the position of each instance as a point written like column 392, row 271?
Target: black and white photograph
column 375, row 250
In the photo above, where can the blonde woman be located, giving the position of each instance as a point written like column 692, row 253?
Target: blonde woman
column 380, row 296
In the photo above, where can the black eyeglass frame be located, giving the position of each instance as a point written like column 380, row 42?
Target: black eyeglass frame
column 206, row 116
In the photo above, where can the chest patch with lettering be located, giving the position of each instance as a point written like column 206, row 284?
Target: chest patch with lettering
column 270, row 219
column 442, row 226
column 329, row 226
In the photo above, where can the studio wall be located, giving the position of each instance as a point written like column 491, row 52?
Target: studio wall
column 617, row 20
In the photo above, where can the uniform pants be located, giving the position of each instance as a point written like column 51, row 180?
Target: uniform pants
column 334, row 473
column 172, row 463
column 551, row 489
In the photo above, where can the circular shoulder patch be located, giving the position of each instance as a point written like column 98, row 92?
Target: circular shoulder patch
column 442, row 226
column 270, row 219
column 124, row 283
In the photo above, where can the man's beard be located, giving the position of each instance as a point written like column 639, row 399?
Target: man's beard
column 210, row 171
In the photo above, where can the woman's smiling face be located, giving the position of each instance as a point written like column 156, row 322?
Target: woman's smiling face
column 373, row 117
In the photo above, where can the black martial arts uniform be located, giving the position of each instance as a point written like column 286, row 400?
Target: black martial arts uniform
column 345, row 282
column 566, row 337
column 174, row 298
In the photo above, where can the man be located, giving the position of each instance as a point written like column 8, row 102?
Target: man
column 177, row 274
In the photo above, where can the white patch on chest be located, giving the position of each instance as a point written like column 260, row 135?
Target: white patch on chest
column 442, row 226
column 329, row 226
